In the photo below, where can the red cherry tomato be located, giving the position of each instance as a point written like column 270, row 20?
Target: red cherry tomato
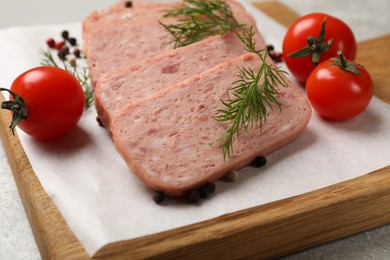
column 339, row 94
column 54, row 100
column 296, row 39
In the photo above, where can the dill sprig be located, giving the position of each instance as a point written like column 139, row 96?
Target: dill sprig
column 199, row 19
column 250, row 98
column 81, row 76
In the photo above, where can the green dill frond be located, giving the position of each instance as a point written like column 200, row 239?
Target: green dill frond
column 199, row 19
column 81, row 76
column 250, row 97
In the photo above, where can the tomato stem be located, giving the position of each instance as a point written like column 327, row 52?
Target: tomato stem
column 315, row 47
column 344, row 64
column 343, row 61
column 17, row 106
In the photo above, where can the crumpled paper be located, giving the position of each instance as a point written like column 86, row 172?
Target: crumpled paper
column 102, row 202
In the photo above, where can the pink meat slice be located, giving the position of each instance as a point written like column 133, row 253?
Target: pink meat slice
column 139, row 11
column 119, row 88
column 169, row 140
column 122, row 44
column 120, row 14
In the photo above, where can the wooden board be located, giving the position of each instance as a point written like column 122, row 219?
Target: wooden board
column 264, row 231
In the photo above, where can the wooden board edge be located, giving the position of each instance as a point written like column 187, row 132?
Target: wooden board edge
column 380, row 66
column 52, row 235
column 240, row 234
column 278, row 11
column 244, row 233
column 273, row 229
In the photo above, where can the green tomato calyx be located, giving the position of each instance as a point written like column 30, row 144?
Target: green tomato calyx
column 315, row 47
column 344, row 64
column 17, row 106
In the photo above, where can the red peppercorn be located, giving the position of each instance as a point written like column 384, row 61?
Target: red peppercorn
column 51, row 43
column 59, row 45
column 277, row 57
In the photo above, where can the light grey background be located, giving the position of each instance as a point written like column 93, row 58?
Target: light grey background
column 367, row 19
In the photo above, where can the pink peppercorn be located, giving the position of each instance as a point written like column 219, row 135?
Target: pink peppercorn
column 51, row 43
column 278, row 57
column 59, row 45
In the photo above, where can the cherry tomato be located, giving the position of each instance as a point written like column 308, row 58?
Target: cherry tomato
column 54, row 100
column 337, row 93
column 297, row 36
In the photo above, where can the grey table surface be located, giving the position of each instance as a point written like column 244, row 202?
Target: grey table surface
column 368, row 19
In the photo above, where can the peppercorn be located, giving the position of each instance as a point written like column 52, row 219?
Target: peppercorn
column 231, row 176
column 158, row 197
column 193, row 196
column 65, row 34
column 51, row 43
column 277, row 57
column 211, row 187
column 65, row 50
column 204, row 191
column 259, row 161
column 77, row 53
column 269, row 48
column 100, row 122
column 72, row 41
column 73, row 62
column 59, row 45
column 128, row 4
column 62, row 55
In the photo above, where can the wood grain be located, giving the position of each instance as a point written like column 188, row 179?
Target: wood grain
column 54, row 238
column 278, row 11
column 273, row 229
column 264, row 231
column 374, row 54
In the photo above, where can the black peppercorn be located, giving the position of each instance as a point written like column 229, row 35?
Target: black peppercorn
column 65, row 35
column 211, row 187
column 269, row 48
column 100, row 122
column 72, row 41
column 65, row 50
column 128, row 4
column 204, row 191
column 259, row 161
column 193, row 196
column 158, row 197
column 62, row 55
column 77, row 53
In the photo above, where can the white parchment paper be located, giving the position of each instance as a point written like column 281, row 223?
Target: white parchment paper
column 102, row 202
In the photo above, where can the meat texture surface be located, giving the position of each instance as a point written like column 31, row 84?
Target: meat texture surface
column 119, row 13
column 138, row 11
column 126, row 85
column 169, row 140
column 115, row 45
